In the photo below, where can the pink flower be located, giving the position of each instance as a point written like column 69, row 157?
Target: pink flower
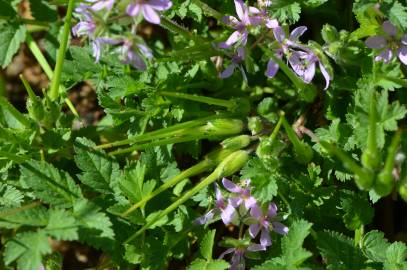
column 148, row 8
column 244, row 197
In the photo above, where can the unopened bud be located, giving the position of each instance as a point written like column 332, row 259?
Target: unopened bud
column 384, row 184
column 232, row 163
column 255, row 124
column 236, row 143
column 329, row 33
column 221, row 127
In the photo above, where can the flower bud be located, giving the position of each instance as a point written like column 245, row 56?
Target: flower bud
column 218, row 155
column 384, row 184
column 232, row 163
column 329, row 33
column 370, row 160
column 236, row 143
column 364, row 179
column 255, row 124
column 221, row 127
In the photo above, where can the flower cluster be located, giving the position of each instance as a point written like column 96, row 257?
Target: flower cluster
column 389, row 44
column 242, row 209
column 94, row 21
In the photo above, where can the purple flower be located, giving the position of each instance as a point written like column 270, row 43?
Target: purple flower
column 148, row 8
column 304, row 64
column 389, row 44
column 236, row 63
column 134, row 54
column 102, row 4
column 243, row 198
column 237, row 260
column 241, row 32
column 261, row 17
column 227, row 211
column 97, row 45
column 265, row 222
column 284, row 46
column 86, row 26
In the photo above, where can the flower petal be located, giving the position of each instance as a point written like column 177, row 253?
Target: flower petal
column 297, row 32
column 376, row 42
column 272, row 210
column 385, row 56
column 256, row 247
column 254, row 230
column 389, row 28
column 402, row 54
column 236, row 201
column 404, row 39
column 241, row 9
column 279, row 34
column 256, row 212
column 133, row 9
column 228, row 251
column 150, row 14
column 272, row 68
column 228, row 71
column 232, row 187
column 309, row 72
column 233, row 38
column 205, row 218
column 279, row 228
column 250, row 202
column 325, row 74
column 271, row 23
column 228, row 214
column 265, row 239
column 160, row 4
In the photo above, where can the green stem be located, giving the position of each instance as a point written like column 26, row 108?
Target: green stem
column 358, row 235
column 194, row 170
column 164, row 132
column 55, row 82
column 201, row 185
column 19, row 209
column 396, row 80
column 175, row 28
column 291, row 134
column 208, row 10
column 13, row 157
column 32, row 45
column 274, row 134
column 14, row 112
column 28, row 88
column 208, row 100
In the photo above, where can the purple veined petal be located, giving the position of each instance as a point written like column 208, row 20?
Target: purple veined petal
column 228, row 71
column 135, row 60
column 265, row 239
column 404, row 39
column 272, row 68
column 133, row 9
column 241, row 53
column 376, row 42
column 219, row 197
column 389, row 28
column 236, row 201
column 256, row 20
column 296, row 64
column 279, row 34
column 272, row 210
column 243, row 39
column 145, row 50
column 103, row 4
column 232, row 187
column 256, row 212
column 309, row 72
column 271, row 23
column 228, row 251
column 97, row 49
column 256, row 247
column 402, row 54
column 297, row 32
column 386, row 56
column 250, row 202
column 241, row 9
column 228, row 214
column 279, row 228
column 325, row 74
column 205, row 218
column 233, row 38
column 150, row 14
column 237, row 260
column 254, row 230
column 230, row 20
column 254, row 10
column 160, row 4
column 223, row 45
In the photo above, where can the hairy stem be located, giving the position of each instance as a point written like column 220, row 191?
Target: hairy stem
column 208, row 100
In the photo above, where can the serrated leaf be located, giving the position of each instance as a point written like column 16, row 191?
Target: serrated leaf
column 291, row 245
column 49, row 184
column 62, row 225
column 373, row 244
column 398, row 14
column 339, row 251
column 100, row 172
column 27, row 249
column 358, row 210
column 206, row 245
column 284, row 13
column 396, row 253
column 36, row 217
column 10, row 196
column 200, row 264
column 11, row 36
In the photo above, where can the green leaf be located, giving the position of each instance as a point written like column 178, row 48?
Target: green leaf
column 206, row 245
column 10, row 196
column 42, row 11
column 358, row 210
column 200, row 264
column 11, row 36
column 288, row 12
column 373, row 246
column 293, row 254
column 100, row 172
column 6, row 10
column 62, row 225
column 398, row 15
column 396, row 253
column 27, row 249
column 339, row 252
column 49, row 184
column 36, row 217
